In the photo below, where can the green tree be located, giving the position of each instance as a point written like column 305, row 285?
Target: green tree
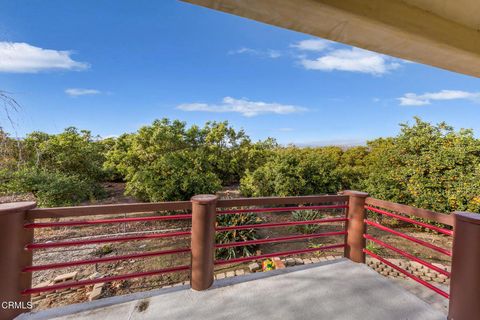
column 295, row 171
column 428, row 166
column 71, row 152
column 169, row 161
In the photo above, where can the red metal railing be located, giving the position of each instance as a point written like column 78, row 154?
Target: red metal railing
column 108, row 210
column 279, row 239
column 280, row 224
column 403, row 253
column 103, row 260
column 277, row 225
column 418, row 223
column 106, row 221
column 410, row 238
column 45, row 245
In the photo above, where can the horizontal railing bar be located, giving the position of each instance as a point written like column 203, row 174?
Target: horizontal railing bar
column 105, row 279
column 103, row 260
column 407, row 255
column 399, row 217
column 104, row 240
column 65, row 212
column 279, row 224
column 408, row 274
column 283, row 209
column 278, row 254
column 405, row 236
column 279, row 239
column 261, row 201
column 419, row 213
column 105, row 221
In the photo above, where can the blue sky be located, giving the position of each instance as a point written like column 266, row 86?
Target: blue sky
column 113, row 66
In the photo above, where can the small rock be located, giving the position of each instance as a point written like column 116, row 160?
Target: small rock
column 254, row 267
column 230, row 274
column 298, row 261
column 290, row 262
column 307, row 261
column 315, row 260
column 220, row 276
column 96, row 292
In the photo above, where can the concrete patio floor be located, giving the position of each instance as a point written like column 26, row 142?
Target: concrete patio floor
column 331, row 290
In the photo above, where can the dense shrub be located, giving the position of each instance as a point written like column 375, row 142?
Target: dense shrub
column 427, row 166
column 62, row 169
column 295, row 171
column 168, row 161
column 72, row 152
column 352, row 168
column 50, row 188
column 175, row 176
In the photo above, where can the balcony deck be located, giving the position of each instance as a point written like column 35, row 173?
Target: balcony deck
column 338, row 289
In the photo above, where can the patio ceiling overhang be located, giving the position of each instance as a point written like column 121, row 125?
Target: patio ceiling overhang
column 440, row 33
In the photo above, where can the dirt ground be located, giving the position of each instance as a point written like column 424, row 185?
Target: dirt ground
column 137, row 265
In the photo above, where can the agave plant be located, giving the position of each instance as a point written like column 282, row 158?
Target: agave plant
column 228, row 220
column 304, row 215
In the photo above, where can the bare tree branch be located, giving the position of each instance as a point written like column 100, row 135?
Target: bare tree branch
column 9, row 105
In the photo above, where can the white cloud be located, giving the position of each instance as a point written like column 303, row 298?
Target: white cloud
column 263, row 53
column 312, row 45
column 285, row 129
column 413, row 99
column 354, row 59
column 17, row 57
column 243, row 106
column 75, row 92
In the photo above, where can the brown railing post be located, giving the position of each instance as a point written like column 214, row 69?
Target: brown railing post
column 465, row 276
column 13, row 257
column 355, row 226
column 203, row 241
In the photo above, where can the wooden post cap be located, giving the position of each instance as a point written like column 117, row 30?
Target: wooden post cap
column 354, row 193
column 6, row 208
column 204, row 198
